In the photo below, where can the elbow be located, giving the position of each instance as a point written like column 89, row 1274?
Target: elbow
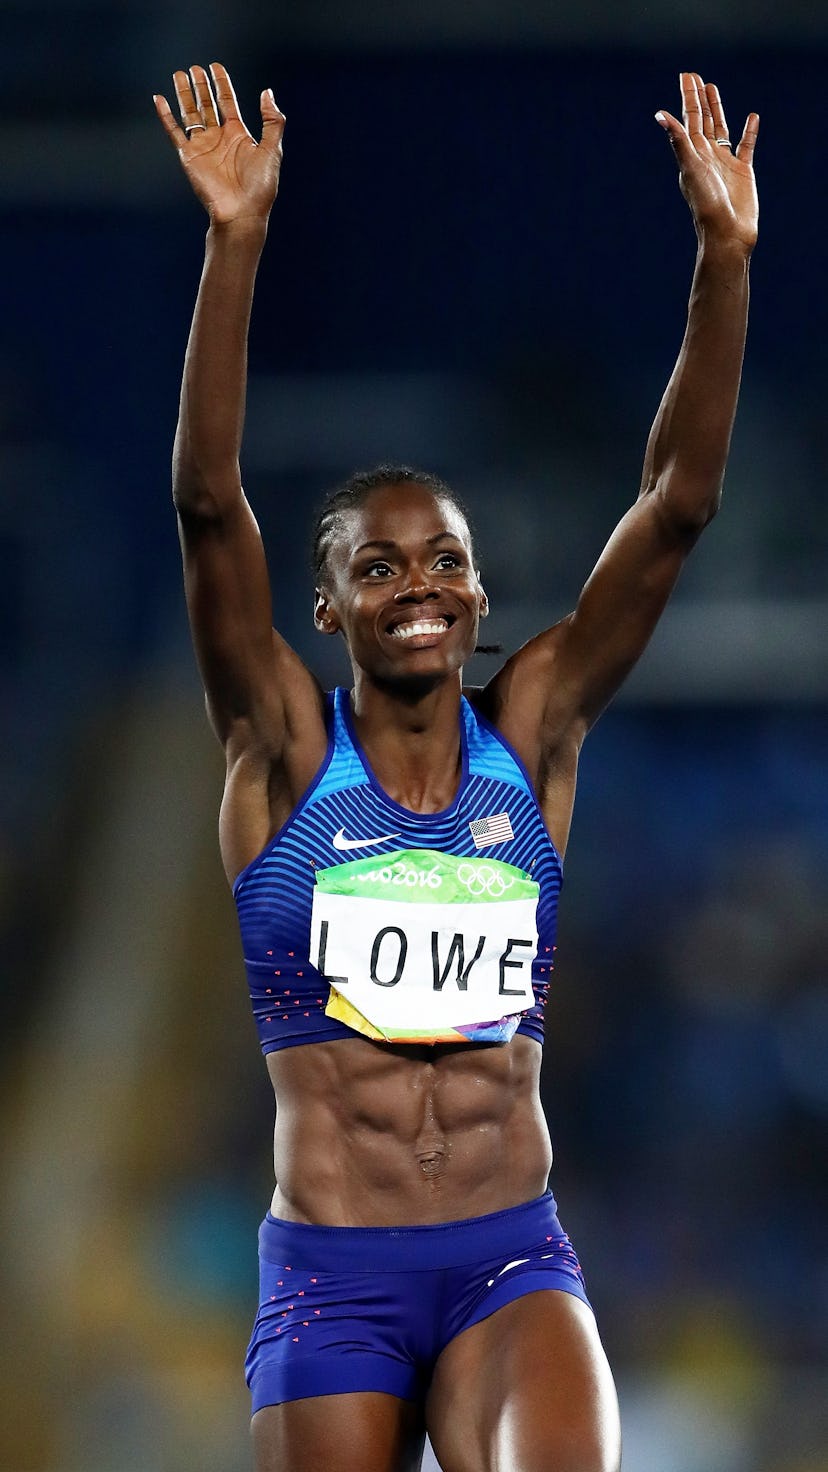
column 203, row 493
column 700, row 514
column 686, row 510
column 194, row 503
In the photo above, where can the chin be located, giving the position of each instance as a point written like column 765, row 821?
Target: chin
column 417, row 677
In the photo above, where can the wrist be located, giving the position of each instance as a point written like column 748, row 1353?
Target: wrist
column 248, row 230
column 724, row 254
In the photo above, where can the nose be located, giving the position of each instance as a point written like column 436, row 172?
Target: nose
column 417, row 588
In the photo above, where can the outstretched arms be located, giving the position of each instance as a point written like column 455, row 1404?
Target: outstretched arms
column 576, row 667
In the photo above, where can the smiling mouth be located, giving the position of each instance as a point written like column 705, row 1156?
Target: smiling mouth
column 419, row 628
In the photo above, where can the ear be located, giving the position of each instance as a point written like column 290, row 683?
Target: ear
column 324, row 614
column 484, row 601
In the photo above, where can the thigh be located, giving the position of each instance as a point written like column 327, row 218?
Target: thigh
column 362, row 1432
column 528, row 1389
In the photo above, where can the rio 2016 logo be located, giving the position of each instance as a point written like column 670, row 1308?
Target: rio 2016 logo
column 404, row 874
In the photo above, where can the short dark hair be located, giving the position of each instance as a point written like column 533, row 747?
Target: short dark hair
column 356, row 490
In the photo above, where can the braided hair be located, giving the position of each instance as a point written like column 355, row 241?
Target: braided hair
column 354, row 492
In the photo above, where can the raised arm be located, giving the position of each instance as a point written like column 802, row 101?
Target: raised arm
column 226, row 578
column 574, row 669
column 236, row 180
column 264, row 705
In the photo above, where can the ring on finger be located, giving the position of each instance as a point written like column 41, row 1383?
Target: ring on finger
column 723, row 142
column 194, row 128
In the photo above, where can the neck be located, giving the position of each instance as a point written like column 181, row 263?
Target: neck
column 411, row 738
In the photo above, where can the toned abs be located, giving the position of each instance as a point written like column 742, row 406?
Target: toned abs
column 373, row 1134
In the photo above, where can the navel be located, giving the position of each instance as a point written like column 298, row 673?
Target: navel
column 431, row 1147
column 432, row 1162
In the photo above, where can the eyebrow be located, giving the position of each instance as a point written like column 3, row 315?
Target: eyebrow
column 389, row 546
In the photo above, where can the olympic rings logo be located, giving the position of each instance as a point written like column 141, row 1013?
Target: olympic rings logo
column 483, row 879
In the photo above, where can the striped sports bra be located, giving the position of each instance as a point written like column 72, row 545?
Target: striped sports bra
column 357, row 902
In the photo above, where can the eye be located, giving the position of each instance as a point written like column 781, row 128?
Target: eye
column 378, row 570
column 448, row 560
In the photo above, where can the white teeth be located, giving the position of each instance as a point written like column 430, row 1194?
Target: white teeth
column 410, row 631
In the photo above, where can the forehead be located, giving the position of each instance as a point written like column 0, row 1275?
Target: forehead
column 406, row 514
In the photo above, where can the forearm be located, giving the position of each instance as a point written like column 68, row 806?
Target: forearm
column 688, row 444
column 213, row 388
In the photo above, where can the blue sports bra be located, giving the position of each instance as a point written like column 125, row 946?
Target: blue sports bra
column 345, row 815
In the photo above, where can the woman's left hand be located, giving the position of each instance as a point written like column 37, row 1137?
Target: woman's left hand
column 716, row 180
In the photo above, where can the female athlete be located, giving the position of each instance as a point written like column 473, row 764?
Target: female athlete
column 395, row 853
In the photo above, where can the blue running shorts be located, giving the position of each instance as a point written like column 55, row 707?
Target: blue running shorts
column 371, row 1308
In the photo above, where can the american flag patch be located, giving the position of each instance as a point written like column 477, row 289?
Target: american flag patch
column 496, row 829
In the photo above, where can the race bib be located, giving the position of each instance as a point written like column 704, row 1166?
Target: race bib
column 421, row 946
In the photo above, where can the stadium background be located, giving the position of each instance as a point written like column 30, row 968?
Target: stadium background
column 479, row 261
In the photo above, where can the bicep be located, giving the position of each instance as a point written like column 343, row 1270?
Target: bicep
column 555, row 687
column 620, row 605
column 550, row 691
column 228, row 601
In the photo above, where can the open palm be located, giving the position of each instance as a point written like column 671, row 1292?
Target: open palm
column 234, row 176
column 717, row 181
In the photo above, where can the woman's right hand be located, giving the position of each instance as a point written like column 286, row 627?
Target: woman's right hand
column 235, row 177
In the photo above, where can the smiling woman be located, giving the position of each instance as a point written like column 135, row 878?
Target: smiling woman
column 399, row 566
column 395, row 854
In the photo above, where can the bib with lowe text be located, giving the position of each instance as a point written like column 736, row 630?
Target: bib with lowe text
column 423, row 946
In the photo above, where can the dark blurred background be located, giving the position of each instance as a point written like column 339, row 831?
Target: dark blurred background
column 479, row 261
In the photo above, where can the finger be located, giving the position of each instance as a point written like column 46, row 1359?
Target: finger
column 165, row 114
column 690, row 105
column 719, row 120
column 747, row 142
column 273, row 121
column 205, row 101
column 704, row 104
column 187, row 105
column 678, row 135
column 225, row 94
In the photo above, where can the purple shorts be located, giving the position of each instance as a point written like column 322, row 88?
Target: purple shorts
column 371, row 1308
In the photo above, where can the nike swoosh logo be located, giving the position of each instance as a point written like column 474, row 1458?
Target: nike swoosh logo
column 343, row 844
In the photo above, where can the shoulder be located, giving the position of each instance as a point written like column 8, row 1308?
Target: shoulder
column 531, row 701
column 304, row 701
column 285, row 737
column 524, row 685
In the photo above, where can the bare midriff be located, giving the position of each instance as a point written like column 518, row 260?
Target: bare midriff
column 375, row 1134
